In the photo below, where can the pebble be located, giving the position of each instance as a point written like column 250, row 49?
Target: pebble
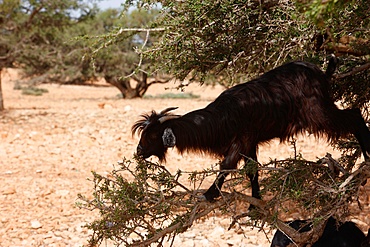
column 35, row 224
column 62, row 193
column 127, row 108
column 9, row 191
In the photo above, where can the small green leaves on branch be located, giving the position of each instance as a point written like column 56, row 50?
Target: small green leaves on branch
column 141, row 203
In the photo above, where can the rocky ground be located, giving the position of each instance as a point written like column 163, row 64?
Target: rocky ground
column 49, row 145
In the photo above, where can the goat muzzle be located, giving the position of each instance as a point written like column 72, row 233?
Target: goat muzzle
column 139, row 150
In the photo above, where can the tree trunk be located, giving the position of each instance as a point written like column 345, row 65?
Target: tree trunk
column 125, row 88
column 129, row 92
column 1, row 94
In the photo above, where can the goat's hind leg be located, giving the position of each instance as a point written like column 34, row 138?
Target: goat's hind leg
column 355, row 124
column 251, row 166
column 252, row 173
column 363, row 136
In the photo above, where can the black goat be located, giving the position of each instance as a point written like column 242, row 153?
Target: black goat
column 280, row 104
column 335, row 234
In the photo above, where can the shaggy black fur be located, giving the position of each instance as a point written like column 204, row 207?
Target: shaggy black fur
column 281, row 103
column 336, row 234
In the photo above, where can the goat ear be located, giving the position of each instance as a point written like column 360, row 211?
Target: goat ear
column 169, row 139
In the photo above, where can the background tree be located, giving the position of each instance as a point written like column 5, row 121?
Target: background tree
column 53, row 42
column 238, row 40
column 230, row 41
column 32, row 33
column 119, row 61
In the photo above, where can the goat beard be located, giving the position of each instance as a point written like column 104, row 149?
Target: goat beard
column 162, row 157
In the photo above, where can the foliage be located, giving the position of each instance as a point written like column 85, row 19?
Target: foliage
column 142, row 203
column 32, row 31
column 346, row 32
column 32, row 35
column 118, row 61
column 54, row 42
column 230, row 40
column 35, row 91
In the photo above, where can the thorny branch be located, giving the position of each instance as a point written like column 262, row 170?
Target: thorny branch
column 142, row 203
column 140, row 52
column 354, row 71
column 124, row 30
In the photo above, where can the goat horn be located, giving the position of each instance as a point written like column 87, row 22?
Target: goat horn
column 167, row 117
column 168, row 109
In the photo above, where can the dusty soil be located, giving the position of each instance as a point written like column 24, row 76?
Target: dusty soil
column 49, row 145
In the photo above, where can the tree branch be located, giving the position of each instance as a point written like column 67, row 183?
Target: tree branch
column 354, row 71
column 167, row 207
column 140, row 55
column 32, row 15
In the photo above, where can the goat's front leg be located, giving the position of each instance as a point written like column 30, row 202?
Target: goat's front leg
column 230, row 162
column 215, row 190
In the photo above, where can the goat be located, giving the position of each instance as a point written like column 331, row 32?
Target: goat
column 281, row 103
column 335, row 234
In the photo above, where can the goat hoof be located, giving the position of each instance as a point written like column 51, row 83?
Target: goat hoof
column 210, row 197
column 201, row 198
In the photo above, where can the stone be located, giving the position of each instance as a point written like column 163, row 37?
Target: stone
column 35, row 224
column 9, row 191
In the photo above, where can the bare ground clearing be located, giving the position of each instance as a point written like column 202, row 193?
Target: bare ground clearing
column 51, row 143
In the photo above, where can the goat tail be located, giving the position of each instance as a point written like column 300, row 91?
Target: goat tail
column 333, row 62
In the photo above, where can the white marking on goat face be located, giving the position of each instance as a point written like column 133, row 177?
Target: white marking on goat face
column 168, row 137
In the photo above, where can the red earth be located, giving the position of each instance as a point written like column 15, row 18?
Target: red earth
column 51, row 143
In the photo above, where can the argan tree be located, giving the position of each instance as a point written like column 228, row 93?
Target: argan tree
column 116, row 50
column 32, row 34
column 54, row 41
column 229, row 42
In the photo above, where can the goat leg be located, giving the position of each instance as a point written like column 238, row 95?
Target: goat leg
column 255, row 185
column 252, row 171
column 230, row 162
column 363, row 137
column 215, row 190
